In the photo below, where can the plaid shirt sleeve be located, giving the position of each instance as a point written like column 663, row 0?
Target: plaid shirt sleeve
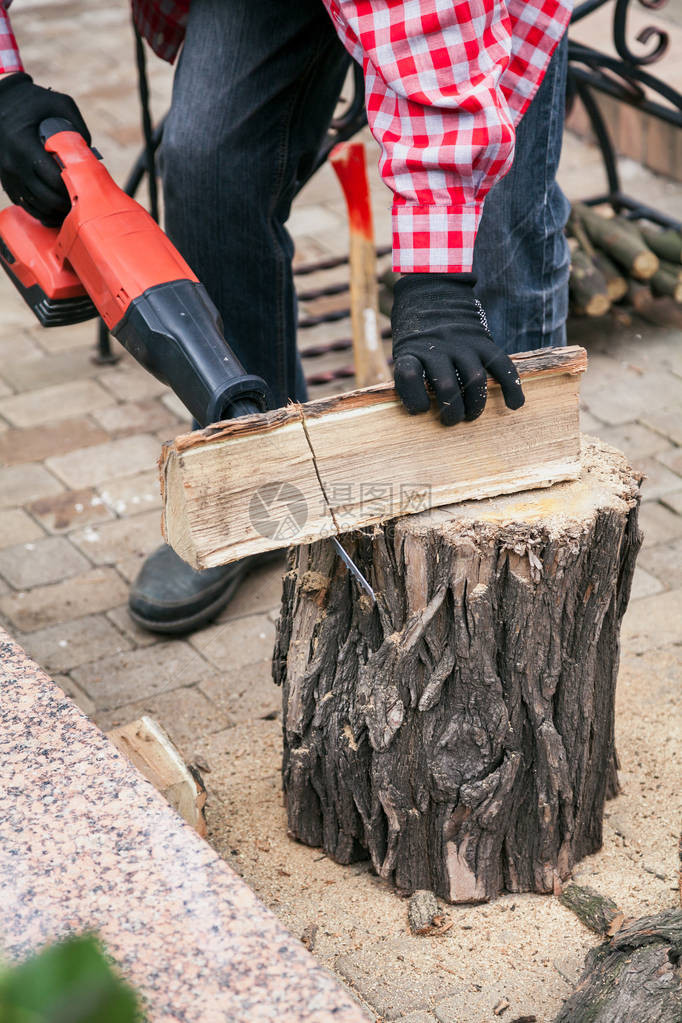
column 446, row 83
column 9, row 51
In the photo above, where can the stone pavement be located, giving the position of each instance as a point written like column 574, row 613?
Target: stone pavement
column 79, row 510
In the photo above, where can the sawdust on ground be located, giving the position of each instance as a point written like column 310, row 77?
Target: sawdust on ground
column 524, row 949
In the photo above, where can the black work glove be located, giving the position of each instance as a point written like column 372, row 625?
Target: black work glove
column 29, row 175
column 440, row 333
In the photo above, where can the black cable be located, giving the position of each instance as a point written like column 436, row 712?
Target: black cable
column 150, row 143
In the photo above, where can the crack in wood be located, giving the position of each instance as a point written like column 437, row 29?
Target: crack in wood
column 317, row 472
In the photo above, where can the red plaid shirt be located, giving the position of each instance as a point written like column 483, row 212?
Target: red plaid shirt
column 447, row 81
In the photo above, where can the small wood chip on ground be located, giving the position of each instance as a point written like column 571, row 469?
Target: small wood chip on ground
column 152, row 752
column 309, row 936
column 422, row 911
column 595, row 911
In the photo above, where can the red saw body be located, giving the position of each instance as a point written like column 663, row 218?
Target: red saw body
column 111, row 257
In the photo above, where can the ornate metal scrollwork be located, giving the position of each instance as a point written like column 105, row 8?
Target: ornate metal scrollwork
column 624, row 78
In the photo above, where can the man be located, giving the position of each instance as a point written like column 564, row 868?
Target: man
column 449, row 85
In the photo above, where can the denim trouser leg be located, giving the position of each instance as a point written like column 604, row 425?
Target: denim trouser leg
column 521, row 256
column 254, row 92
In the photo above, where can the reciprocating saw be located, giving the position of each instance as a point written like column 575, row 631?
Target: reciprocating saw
column 110, row 257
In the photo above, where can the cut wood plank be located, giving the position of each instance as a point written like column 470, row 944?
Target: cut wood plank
column 310, row 471
column 151, row 751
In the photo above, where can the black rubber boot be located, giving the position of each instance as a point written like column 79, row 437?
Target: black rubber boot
column 169, row 596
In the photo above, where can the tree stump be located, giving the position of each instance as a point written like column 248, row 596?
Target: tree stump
column 460, row 732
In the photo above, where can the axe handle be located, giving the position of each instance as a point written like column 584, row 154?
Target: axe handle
column 348, row 161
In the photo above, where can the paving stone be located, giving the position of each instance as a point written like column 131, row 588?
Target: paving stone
column 132, row 384
column 41, row 562
column 659, row 524
column 590, row 424
column 65, row 401
column 479, row 1002
column 69, row 644
column 259, row 593
column 653, row 622
column 246, row 693
column 659, row 479
column 315, row 220
column 185, row 713
column 17, row 527
column 237, row 643
column 80, row 698
column 66, row 339
column 635, row 440
column 15, row 339
column 136, row 417
column 20, row 484
column 673, row 501
column 37, row 443
column 644, row 584
column 132, row 495
column 172, row 403
column 139, row 674
column 421, row 1016
column 124, row 623
column 672, row 457
column 70, row 510
column 49, row 370
column 92, row 466
column 164, row 437
column 120, row 539
column 619, row 393
column 97, row 590
column 129, row 568
column 667, row 421
column 391, row 992
column 664, row 562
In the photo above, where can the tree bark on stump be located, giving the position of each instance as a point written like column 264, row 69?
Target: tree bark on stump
column 460, row 732
column 634, row 976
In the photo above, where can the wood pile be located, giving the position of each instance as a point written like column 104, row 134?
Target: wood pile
column 614, row 260
column 616, row 265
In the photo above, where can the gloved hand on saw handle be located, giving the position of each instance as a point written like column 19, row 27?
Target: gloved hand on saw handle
column 29, row 175
column 441, row 338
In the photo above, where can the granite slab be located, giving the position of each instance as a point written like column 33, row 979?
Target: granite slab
column 86, row 844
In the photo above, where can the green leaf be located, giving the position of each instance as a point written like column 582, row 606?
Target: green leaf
column 69, row 982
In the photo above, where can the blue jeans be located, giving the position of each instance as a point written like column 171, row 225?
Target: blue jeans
column 521, row 255
column 254, row 92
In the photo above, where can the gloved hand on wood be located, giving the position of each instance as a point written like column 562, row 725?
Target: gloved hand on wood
column 28, row 174
column 441, row 337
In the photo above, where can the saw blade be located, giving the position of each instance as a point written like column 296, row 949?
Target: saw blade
column 353, row 569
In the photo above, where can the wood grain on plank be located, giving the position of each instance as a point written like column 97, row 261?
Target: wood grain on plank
column 339, row 463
